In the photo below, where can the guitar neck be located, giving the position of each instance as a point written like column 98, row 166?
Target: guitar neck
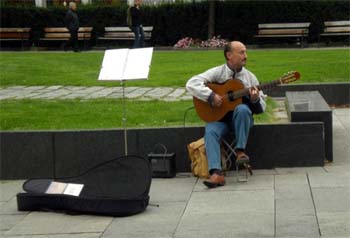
column 245, row 91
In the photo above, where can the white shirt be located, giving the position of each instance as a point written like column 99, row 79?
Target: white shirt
column 220, row 74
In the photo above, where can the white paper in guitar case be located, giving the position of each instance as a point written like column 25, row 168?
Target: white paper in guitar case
column 126, row 64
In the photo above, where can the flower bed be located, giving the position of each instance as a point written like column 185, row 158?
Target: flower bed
column 214, row 42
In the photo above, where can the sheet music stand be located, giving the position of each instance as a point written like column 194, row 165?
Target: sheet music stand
column 126, row 65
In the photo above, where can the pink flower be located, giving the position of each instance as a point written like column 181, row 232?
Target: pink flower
column 184, row 43
column 214, row 42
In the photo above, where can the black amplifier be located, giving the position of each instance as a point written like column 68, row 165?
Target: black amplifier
column 163, row 165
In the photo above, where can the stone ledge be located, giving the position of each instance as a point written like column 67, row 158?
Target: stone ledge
column 334, row 93
column 34, row 154
column 311, row 106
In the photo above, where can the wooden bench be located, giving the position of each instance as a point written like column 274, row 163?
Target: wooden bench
column 335, row 29
column 62, row 34
column 123, row 33
column 284, row 30
column 15, row 34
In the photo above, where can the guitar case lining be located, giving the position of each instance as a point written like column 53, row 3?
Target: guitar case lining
column 119, row 187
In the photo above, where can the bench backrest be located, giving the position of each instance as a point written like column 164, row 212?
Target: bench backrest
column 125, row 32
column 14, row 33
column 127, row 29
column 62, row 32
column 337, row 26
column 284, row 28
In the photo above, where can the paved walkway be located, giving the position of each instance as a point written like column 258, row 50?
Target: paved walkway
column 75, row 92
column 283, row 202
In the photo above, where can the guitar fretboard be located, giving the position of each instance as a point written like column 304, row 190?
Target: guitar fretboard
column 244, row 92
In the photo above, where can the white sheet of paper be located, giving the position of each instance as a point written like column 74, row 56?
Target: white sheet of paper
column 73, row 189
column 65, row 188
column 56, row 188
column 126, row 64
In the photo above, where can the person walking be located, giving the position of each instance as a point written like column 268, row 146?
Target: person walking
column 72, row 24
column 136, row 24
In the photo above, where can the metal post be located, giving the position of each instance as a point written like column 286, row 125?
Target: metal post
column 124, row 120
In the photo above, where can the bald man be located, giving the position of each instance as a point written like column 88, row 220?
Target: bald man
column 240, row 120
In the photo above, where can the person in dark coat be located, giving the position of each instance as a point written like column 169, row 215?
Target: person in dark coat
column 136, row 26
column 72, row 24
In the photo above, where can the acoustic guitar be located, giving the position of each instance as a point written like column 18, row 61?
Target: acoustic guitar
column 232, row 92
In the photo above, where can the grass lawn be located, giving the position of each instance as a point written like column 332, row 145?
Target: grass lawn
column 171, row 68
column 101, row 114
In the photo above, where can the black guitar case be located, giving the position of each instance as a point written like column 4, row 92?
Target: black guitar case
column 119, row 187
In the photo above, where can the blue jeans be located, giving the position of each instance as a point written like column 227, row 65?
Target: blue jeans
column 139, row 36
column 242, row 121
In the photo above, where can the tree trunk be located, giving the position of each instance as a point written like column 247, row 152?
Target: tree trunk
column 211, row 22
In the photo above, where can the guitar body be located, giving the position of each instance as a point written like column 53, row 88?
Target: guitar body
column 209, row 113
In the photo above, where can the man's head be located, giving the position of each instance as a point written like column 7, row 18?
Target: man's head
column 73, row 6
column 138, row 2
column 236, row 55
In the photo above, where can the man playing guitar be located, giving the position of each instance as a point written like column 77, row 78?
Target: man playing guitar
column 239, row 119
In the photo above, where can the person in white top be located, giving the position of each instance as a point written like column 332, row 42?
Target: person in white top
column 239, row 120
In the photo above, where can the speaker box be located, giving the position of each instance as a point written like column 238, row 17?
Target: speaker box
column 163, row 165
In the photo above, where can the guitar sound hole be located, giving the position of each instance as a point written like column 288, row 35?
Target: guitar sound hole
column 230, row 96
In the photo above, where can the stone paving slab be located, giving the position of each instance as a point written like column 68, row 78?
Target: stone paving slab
column 293, row 193
column 332, row 200
column 258, row 182
column 231, row 224
column 154, row 222
column 330, row 180
column 186, row 96
column 341, row 148
column 173, row 190
column 45, row 223
column 290, row 180
column 299, row 170
column 10, row 208
column 9, row 221
column 79, row 235
column 71, row 235
column 334, row 224
column 338, row 169
column 342, row 112
column 9, row 189
column 157, row 93
column 223, row 202
column 138, row 92
column 48, row 95
column 99, row 94
column 177, row 93
column 296, row 226
column 295, row 207
column 115, row 95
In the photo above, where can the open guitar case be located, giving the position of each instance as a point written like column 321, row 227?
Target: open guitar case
column 119, row 187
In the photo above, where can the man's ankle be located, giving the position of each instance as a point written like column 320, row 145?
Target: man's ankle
column 239, row 151
column 215, row 171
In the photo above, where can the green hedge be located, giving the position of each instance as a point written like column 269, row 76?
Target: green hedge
column 234, row 19
column 239, row 20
